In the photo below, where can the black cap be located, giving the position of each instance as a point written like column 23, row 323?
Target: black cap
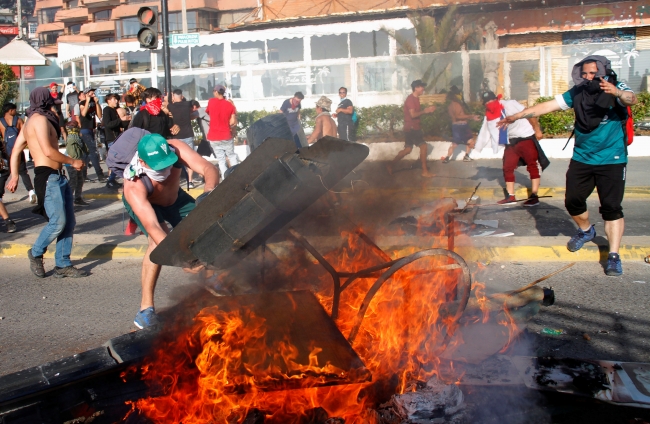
column 132, row 80
column 488, row 96
column 418, row 83
column 454, row 90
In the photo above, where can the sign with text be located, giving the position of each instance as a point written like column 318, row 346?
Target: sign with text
column 184, row 39
column 12, row 30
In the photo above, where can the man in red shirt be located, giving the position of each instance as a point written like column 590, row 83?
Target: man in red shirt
column 223, row 116
column 412, row 130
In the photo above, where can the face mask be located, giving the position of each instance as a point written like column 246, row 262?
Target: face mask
column 158, row 176
column 593, row 86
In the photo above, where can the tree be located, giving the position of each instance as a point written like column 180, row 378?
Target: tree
column 8, row 84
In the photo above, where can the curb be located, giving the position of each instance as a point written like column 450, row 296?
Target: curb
column 524, row 249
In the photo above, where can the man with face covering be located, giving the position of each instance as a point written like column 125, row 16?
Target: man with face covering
column 600, row 152
column 152, row 195
column 41, row 134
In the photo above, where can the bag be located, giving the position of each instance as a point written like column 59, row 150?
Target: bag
column 123, row 149
column 625, row 113
column 11, row 134
column 355, row 117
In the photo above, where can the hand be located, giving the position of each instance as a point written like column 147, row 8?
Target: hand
column 12, row 185
column 77, row 164
column 430, row 109
column 476, row 117
column 506, row 121
column 539, row 135
column 608, row 87
column 195, row 269
column 175, row 129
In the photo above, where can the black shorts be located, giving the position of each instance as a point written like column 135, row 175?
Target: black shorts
column 4, row 176
column 581, row 179
column 413, row 138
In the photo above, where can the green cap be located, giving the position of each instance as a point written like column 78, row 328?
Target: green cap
column 154, row 150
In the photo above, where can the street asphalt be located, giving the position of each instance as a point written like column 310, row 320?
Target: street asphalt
column 46, row 319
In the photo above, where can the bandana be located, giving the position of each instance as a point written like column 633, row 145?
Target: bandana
column 40, row 103
column 493, row 109
column 153, row 107
column 135, row 169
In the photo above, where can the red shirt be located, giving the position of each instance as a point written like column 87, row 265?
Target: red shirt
column 412, row 103
column 220, row 111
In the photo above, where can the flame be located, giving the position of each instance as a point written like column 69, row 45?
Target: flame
column 221, row 368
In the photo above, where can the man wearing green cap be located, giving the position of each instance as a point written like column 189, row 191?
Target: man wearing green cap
column 152, row 195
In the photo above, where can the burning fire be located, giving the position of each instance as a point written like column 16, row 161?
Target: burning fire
column 221, row 368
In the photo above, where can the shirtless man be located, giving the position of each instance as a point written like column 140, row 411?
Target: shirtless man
column 161, row 165
column 325, row 125
column 461, row 133
column 41, row 134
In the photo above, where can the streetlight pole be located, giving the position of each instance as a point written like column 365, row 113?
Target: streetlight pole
column 166, row 53
column 19, row 12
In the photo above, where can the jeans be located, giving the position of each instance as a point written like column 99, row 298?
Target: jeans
column 223, row 149
column 189, row 141
column 60, row 211
column 88, row 137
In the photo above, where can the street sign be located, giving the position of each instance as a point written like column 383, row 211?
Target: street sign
column 184, row 39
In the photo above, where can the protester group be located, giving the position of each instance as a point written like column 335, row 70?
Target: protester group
column 151, row 145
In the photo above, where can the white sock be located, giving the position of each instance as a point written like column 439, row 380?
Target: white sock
column 31, row 192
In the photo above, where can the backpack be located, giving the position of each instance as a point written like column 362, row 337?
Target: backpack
column 123, row 149
column 11, row 134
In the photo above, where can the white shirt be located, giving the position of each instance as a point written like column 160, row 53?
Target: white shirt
column 520, row 128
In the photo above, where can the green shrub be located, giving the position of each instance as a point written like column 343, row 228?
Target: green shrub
column 556, row 122
column 641, row 110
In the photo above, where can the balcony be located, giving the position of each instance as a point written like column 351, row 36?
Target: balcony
column 74, row 38
column 46, row 4
column 54, row 26
column 100, row 3
column 78, row 14
column 98, row 28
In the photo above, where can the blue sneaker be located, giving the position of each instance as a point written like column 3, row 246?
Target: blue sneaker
column 146, row 318
column 614, row 266
column 580, row 239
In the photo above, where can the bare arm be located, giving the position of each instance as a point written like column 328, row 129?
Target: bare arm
column 416, row 113
column 19, row 125
column 532, row 112
column 98, row 108
column 318, row 130
column 196, row 163
column 349, row 110
column 627, row 98
column 534, row 122
column 233, row 120
column 458, row 113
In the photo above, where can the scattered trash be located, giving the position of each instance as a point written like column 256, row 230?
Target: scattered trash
column 552, row 332
column 1, row 318
column 44, row 297
column 587, row 337
column 639, row 282
column 494, row 223
column 503, row 266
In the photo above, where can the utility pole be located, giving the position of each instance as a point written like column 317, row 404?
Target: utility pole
column 184, row 16
column 166, row 53
column 19, row 12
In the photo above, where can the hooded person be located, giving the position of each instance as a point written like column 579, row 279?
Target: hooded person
column 41, row 135
column 600, row 150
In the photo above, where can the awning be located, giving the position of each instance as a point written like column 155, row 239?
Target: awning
column 20, row 53
column 71, row 51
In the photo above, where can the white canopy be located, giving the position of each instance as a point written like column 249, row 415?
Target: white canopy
column 20, row 53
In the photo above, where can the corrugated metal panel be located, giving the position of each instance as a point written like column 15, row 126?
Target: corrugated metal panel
column 533, row 40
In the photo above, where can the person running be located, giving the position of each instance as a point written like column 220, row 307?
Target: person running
column 114, row 124
column 412, row 128
column 325, row 125
column 460, row 131
column 10, row 126
column 160, row 161
column 600, row 151
column 343, row 114
column 181, row 110
column 291, row 109
column 89, row 110
column 41, row 135
column 222, row 119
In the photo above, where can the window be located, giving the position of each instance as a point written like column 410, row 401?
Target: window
column 228, row 18
column 368, row 44
column 73, row 4
column 279, row 82
column 328, row 79
column 49, row 38
column 66, row 70
column 105, row 40
column 375, row 76
column 197, row 20
column 6, row 19
column 31, row 28
column 127, row 28
column 329, row 47
column 104, row 15
column 46, row 16
column 136, row 61
column 406, row 42
column 248, row 53
column 179, row 58
column 286, row 50
column 74, row 29
column 103, row 64
column 207, row 56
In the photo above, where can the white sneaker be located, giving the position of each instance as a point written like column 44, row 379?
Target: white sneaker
column 32, row 198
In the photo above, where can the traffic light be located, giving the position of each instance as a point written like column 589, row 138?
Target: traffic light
column 148, row 33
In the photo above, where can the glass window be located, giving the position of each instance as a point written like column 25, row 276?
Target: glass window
column 6, row 19
column 249, row 53
column 105, row 40
column 46, row 16
column 375, row 76
column 136, row 61
column 329, row 47
column 406, row 42
column 286, row 50
column 103, row 15
column 79, row 67
column 236, row 84
column 207, row 56
column 279, row 82
column 179, row 58
column 66, row 70
column 74, row 29
column 73, row 4
column 104, row 64
column 175, row 21
column 328, row 79
column 231, row 17
column 368, row 44
column 127, row 28
column 49, row 38
column 207, row 21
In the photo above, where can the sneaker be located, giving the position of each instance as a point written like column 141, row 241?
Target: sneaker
column 467, row 159
column 532, row 201
column 509, row 200
column 190, row 185
column 11, row 226
column 146, row 318
column 580, row 239
column 81, row 202
column 69, row 271
column 36, row 264
column 89, row 180
column 614, row 266
column 32, row 198
column 113, row 185
column 446, row 159
column 102, row 179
